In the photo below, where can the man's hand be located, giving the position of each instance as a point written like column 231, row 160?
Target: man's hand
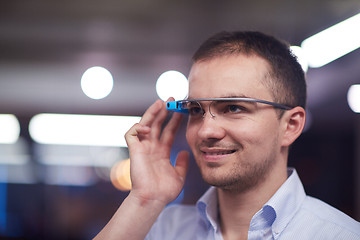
column 155, row 182
column 153, row 177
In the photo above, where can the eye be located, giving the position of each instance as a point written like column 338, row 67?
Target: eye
column 230, row 107
column 234, row 109
column 195, row 110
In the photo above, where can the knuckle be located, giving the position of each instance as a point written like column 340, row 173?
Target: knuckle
column 132, row 130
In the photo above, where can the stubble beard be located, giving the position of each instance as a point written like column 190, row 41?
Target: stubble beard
column 243, row 176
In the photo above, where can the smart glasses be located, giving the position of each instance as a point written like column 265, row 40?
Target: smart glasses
column 227, row 107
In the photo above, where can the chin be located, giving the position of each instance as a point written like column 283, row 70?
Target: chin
column 214, row 177
column 231, row 180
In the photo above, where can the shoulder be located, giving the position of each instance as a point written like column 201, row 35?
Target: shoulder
column 328, row 213
column 324, row 220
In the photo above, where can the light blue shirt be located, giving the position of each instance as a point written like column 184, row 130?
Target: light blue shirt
column 289, row 214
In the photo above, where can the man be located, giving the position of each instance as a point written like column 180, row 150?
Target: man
column 246, row 104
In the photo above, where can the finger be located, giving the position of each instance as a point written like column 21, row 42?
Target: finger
column 151, row 113
column 182, row 164
column 169, row 132
column 171, row 127
column 134, row 134
column 157, row 124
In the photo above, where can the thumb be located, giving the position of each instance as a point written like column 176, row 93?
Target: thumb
column 182, row 164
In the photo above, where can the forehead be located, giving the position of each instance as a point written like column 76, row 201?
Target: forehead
column 227, row 76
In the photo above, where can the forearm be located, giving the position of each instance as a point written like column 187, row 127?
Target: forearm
column 132, row 221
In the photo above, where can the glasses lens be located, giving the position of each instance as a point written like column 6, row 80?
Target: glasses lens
column 195, row 109
column 229, row 109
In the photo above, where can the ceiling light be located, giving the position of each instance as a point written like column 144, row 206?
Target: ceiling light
column 9, row 128
column 333, row 43
column 172, row 84
column 97, row 82
column 353, row 98
column 90, row 130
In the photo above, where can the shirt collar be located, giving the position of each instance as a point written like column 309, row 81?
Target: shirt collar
column 278, row 211
column 207, row 206
column 286, row 201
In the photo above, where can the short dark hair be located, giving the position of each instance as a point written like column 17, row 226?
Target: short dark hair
column 286, row 79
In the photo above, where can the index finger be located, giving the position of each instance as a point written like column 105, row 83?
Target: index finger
column 151, row 113
column 171, row 128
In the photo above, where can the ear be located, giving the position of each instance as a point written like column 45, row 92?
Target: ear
column 293, row 122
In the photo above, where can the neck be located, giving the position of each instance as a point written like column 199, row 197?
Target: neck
column 237, row 208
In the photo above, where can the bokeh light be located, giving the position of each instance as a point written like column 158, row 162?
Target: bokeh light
column 120, row 175
column 333, row 42
column 97, row 82
column 81, row 129
column 9, row 128
column 172, row 84
column 353, row 98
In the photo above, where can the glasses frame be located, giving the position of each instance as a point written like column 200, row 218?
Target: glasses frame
column 176, row 106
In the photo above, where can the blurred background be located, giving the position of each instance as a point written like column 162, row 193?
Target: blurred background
column 69, row 189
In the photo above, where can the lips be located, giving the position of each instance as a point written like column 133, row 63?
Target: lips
column 216, row 151
column 219, row 152
column 215, row 155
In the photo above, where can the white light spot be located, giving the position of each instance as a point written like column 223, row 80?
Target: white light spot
column 9, row 128
column 72, row 129
column 353, row 98
column 97, row 82
column 172, row 84
column 332, row 43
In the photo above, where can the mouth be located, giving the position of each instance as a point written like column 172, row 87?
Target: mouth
column 218, row 152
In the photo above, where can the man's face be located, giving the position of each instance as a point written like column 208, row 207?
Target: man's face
column 233, row 153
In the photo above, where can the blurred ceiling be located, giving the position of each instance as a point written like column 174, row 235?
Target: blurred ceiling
column 45, row 46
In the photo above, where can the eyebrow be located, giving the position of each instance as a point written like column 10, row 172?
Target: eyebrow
column 235, row 96
column 226, row 96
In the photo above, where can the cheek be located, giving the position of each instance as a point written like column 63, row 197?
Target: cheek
column 263, row 135
column 252, row 133
column 190, row 135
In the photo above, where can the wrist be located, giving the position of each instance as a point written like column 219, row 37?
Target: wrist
column 144, row 201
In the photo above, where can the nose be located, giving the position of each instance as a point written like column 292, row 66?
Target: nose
column 211, row 128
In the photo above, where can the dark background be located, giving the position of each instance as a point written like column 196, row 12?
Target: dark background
column 45, row 46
